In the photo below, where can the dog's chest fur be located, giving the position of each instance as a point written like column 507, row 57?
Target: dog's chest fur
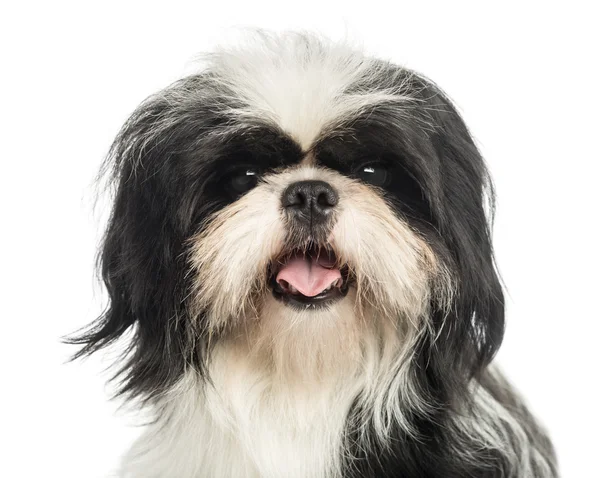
column 248, row 423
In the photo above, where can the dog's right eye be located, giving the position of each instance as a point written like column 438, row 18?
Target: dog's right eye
column 243, row 180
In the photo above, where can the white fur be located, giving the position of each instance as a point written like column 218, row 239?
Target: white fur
column 394, row 267
column 281, row 381
column 494, row 426
column 275, row 408
column 284, row 381
column 301, row 82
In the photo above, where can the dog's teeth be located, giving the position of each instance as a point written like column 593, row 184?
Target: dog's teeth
column 337, row 283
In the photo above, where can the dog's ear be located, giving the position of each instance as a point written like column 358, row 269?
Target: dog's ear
column 473, row 328
column 142, row 259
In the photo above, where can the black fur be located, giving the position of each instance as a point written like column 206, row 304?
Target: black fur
column 170, row 166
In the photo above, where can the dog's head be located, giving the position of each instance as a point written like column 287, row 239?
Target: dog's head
column 300, row 197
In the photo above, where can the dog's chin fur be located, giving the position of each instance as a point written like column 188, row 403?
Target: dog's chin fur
column 392, row 379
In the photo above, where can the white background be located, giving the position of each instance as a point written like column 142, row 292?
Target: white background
column 525, row 76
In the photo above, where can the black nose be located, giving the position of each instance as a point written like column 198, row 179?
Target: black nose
column 310, row 201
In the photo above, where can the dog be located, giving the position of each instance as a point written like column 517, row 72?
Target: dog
column 299, row 259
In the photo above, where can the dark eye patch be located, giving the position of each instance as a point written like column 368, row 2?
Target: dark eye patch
column 240, row 174
column 372, row 164
column 355, row 160
column 246, row 156
column 374, row 173
column 243, row 180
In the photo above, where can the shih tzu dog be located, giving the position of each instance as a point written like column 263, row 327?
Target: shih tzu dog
column 299, row 258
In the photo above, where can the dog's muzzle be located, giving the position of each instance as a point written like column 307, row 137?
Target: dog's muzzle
column 309, row 276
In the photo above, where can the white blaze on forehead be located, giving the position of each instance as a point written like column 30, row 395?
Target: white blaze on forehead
column 300, row 83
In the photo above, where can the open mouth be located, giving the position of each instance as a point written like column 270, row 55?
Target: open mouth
column 309, row 279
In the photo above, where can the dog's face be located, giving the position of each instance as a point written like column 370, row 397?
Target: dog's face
column 301, row 198
column 299, row 241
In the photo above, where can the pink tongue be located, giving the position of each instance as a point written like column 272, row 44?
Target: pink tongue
column 307, row 275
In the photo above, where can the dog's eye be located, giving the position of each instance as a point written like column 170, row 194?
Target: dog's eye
column 243, row 180
column 375, row 174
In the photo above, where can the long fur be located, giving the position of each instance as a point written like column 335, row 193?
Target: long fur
column 394, row 379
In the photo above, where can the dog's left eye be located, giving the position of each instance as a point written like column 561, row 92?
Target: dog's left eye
column 375, row 174
column 243, row 180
